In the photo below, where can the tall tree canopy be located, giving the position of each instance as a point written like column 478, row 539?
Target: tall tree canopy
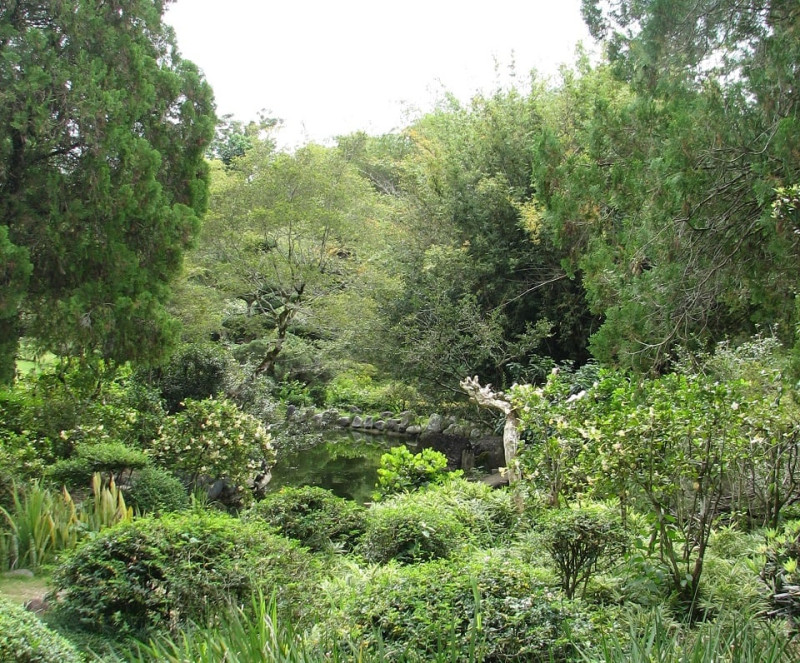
column 664, row 173
column 288, row 236
column 484, row 287
column 103, row 128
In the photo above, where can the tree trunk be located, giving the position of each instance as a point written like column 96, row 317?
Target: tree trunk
column 267, row 364
column 486, row 397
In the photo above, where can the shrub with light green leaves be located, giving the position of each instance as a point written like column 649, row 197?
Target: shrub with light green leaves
column 314, row 516
column 489, row 605
column 402, row 471
column 158, row 573
column 213, row 438
column 25, row 639
column 154, row 490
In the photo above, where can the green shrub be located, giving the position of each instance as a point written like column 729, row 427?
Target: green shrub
column 353, row 388
column 213, row 438
column 580, row 541
column 144, row 403
column 40, row 407
column 356, row 387
column 157, row 573
column 154, row 490
column 781, row 571
column 252, row 352
column 110, row 459
column 254, row 395
column 436, row 521
column 53, row 414
column 412, row 528
column 194, row 372
column 491, row 516
column 19, row 461
column 257, row 634
column 402, row 471
column 490, row 603
column 314, row 516
column 25, row 639
column 293, row 392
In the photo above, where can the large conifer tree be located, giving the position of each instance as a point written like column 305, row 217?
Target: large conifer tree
column 667, row 179
column 103, row 128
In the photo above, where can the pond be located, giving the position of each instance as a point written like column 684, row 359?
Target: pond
column 344, row 462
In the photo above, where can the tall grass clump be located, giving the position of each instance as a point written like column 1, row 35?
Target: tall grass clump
column 658, row 638
column 37, row 525
column 259, row 635
column 40, row 522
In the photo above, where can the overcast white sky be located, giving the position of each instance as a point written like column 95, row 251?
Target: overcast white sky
column 331, row 67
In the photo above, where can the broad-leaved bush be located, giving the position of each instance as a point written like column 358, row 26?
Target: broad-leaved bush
column 157, row 573
column 312, row 515
column 213, row 438
column 401, row 471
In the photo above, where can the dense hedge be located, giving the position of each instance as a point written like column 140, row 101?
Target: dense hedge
column 25, row 639
column 314, row 516
column 417, row 607
column 107, row 458
column 160, row 572
column 435, row 522
column 154, row 490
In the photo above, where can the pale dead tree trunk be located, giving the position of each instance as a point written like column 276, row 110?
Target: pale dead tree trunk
column 485, row 397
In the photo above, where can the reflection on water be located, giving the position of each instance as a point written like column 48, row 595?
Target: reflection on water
column 344, row 462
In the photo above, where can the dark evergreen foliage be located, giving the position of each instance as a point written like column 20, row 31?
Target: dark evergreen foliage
column 103, row 128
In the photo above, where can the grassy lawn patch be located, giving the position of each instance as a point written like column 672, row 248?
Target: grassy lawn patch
column 21, row 589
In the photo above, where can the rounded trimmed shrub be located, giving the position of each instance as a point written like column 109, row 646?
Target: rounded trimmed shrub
column 436, row 521
column 412, row 528
column 25, row 639
column 490, row 515
column 213, row 438
column 157, row 573
column 314, row 516
column 195, row 371
column 113, row 458
column 490, row 603
column 154, row 490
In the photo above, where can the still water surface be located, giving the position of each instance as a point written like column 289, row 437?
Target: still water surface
column 344, row 462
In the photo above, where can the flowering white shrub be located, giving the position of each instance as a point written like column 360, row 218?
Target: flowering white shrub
column 214, row 438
